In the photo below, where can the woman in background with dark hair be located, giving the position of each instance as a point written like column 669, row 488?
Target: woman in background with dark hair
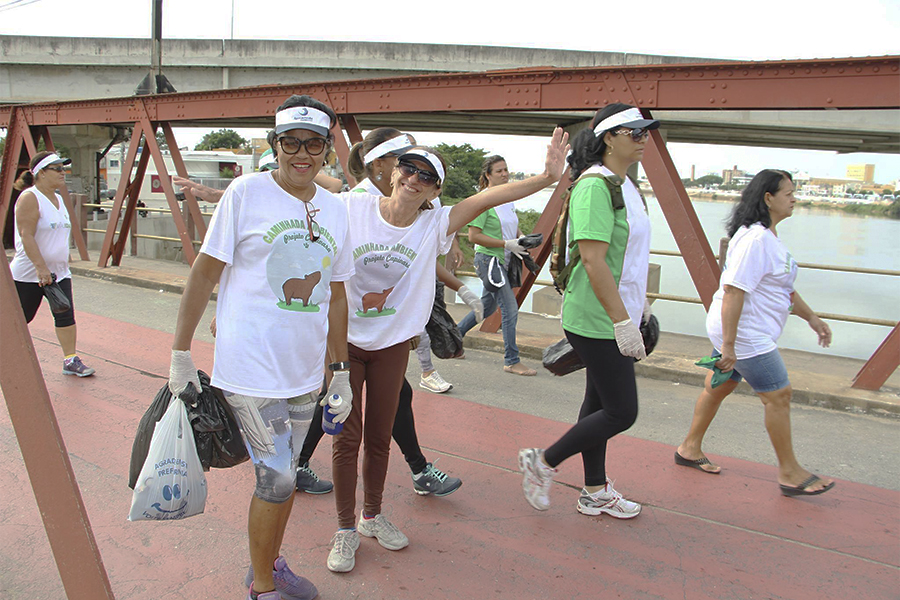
column 604, row 301
column 42, row 235
column 496, row 234
column 756, row 294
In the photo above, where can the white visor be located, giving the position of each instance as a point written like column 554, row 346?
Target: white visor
column 631, row 118
column 50, row 159
column 396, row 145
column 267, row 161
column 433, row 160
column 302, row 117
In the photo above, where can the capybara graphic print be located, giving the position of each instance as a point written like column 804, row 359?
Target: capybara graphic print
column 375, row 300
column 301, row 289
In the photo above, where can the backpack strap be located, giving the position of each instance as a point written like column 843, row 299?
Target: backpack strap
column 561, row 268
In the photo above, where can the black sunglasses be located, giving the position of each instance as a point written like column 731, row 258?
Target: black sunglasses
column 57, row 169
column 637, row 134
column 291, row 145
column 425, row 177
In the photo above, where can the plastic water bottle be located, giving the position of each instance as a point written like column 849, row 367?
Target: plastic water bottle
column 329, row 426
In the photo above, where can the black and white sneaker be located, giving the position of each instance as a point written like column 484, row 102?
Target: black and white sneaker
column 309, row 482
column 434, row 481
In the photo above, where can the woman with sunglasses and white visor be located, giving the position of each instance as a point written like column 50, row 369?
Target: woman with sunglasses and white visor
column 395, row 242
column 279, row 248
column 603, row 304
column 42, row 234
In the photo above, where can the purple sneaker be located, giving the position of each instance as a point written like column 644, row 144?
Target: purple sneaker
column 266, row 596
column 287, row 583
column 74, row 366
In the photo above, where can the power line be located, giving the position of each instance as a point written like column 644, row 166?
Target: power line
column 16, row 4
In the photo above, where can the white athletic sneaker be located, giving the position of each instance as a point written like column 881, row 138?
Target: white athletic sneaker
column 384, row 531
column 537, row 478
column 434, row 383
column 342, row 557
column 607, row 501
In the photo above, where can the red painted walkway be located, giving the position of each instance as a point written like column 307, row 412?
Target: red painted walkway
column 726, row 537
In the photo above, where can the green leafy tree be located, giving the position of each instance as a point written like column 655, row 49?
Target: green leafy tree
column 223, row 138
column 161, row 141
column 464, row 167
column 2, row 146
column 708, row 180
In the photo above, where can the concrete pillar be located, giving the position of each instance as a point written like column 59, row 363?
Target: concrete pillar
column 82, row 142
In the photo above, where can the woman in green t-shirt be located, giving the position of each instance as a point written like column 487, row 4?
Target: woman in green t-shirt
column 496, row 234
column 604, row 301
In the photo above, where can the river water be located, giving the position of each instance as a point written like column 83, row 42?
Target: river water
column 818, row 236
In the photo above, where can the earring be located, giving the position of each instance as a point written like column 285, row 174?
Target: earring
column 378, row 177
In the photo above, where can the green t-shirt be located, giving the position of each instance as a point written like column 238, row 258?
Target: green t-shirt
column 489, row 223
column 592, row 217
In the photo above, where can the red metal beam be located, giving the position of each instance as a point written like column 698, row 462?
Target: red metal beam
column 44, row 453
column 850, row 83
column 880, row 366
column 125, row 182
column 12, row 160
column 132, row 194
column 190, row 200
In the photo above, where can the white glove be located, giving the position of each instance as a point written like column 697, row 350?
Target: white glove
column 182, row 372
column 629, row 340
column 645, row 316
column 515, row 247
column 472, row 301
column 340, row 385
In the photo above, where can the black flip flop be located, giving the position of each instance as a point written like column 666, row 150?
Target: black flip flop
column 800, row 490
column 696, row 464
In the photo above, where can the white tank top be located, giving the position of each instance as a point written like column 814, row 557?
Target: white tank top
column 52, row 237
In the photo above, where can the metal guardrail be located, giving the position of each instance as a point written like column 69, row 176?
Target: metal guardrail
column 546, row 283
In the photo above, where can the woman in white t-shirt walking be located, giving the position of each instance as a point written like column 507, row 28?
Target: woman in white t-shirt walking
column 756, row 294
column 395, row 243
column 42, row 237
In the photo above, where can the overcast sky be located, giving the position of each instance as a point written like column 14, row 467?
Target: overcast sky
column 759, row 30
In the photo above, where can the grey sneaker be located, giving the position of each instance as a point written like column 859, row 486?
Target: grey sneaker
column 74, row 366
column 434, row 481
column 537, row 478
column 309, row 482
column 384, row 531
column 608, row 501
column 290, row 585
column 434, row 383
column 342, row 557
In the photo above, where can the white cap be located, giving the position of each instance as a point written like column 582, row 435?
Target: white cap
column 395, row 145
column 50, row 159
column 630, row 118
column 302, row 117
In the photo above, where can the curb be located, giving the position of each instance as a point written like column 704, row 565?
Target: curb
column 664, row 367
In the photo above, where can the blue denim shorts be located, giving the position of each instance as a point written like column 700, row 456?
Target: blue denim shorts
column 764, row 373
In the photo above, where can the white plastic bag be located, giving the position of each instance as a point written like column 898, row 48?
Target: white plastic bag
column 171, row 484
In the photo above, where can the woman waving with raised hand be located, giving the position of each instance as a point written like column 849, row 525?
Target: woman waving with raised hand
column 395, row 242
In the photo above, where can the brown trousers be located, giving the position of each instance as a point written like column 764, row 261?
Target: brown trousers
column 382, row 371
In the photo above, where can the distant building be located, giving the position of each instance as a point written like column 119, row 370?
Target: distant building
column 735, row 177
column 864, row 173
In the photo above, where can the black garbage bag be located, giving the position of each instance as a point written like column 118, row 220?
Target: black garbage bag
column 216, row 434
column 446, row 340
column 56, row 297
column 650, row 334
column 561, row 359
column 514, row 272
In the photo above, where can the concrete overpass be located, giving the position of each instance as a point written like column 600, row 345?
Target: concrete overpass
column 36, row 69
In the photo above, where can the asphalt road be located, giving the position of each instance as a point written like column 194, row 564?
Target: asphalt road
column 858, row 448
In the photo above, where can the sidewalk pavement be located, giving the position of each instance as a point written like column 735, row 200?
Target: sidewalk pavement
column 699, row 537
column 818, row 379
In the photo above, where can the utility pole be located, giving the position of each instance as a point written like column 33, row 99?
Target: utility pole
column 155, row 82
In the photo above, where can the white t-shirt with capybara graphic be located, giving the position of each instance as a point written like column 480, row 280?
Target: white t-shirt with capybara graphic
column 392, row 291
column 274, row 293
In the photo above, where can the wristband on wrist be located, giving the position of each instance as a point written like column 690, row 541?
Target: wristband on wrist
column 339, row 366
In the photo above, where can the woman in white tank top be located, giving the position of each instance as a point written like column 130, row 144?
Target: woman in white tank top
column 42, row 233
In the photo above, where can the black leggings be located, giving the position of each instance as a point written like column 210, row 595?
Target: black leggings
column 404, row 432
column 610, row 406
column 31, row 295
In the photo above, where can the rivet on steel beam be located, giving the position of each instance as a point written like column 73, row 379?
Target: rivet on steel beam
column 596, row 102
column 724, row 100
column 875, row 69
column 715, row 74
column 637, row 87
column 640, row 101
column 387, row 105
column 712, row 100
column 828, row 100
column 747, row 72
column 702, row 73
column 776, row 73
column 724, row 85
column 760, row 72
column 587, row 89
column 895, row 68
column 824, row 71
column 858, row 70
column 652, row 87
column 712, row 86
column 605, row 101
column 448, row 105
column 600, row 88
column 517, row 102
